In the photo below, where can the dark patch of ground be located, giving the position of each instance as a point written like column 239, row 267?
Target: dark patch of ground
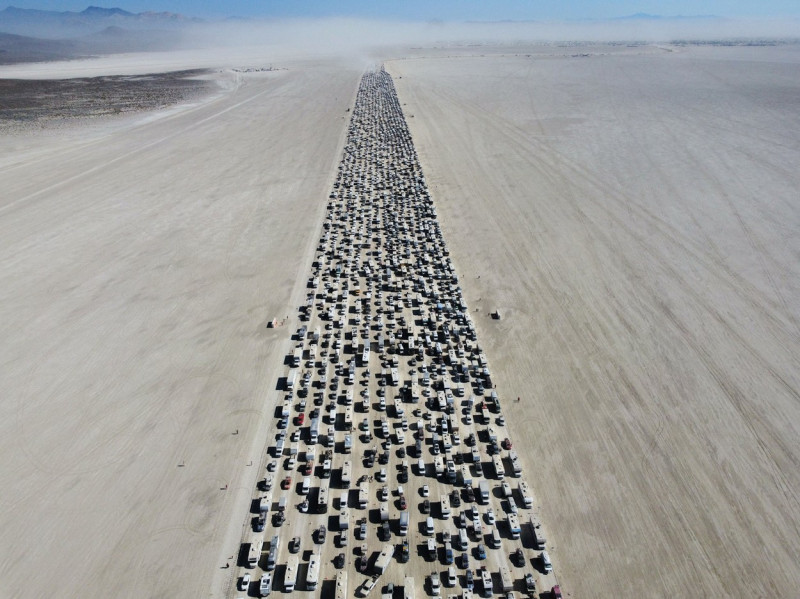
column 33, row 102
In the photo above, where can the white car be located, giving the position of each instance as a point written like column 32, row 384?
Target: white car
column 425, row 491
column 421, row 466
column 490, row 516
column 244, row 583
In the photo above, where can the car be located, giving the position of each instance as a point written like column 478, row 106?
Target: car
column 403, row 504
column 501, row 420
column 244, row 582
column 470, row 580
column 259, row 522
column 401, row 453
column 506, row 443
column 464, row 560
column 480, row 551
column 295, row 436
column 303, row 507
column 322, row 533
column 294, row 545
column 555, row 592
column 425, row 508
column 301, row 418
column 383, row 493
column 314, row 414
column 530, row 583
column 404, row 552
column 468, row 419
column 287, row 482
column 421, row 466
column 424, row 490
column 385, row 531
column 490, row 516
column 518, row 558
column 455, row 499
column 338, row 561
column 362, row 529
column 272, row 466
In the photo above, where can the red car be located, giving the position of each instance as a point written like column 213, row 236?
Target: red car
column 403, row 504
column 301, row 419
column 555, row 592
column 506, row 443
column 287, row 482
column 309, row 468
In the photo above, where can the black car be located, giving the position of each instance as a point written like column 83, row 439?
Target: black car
column 425, row 508
column 385, row 532
column 259, row 522
column 455, row 499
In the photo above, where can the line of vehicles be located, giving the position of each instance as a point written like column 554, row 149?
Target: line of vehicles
column 385, row 371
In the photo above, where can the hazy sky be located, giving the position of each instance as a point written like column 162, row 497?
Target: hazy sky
column 448, row 10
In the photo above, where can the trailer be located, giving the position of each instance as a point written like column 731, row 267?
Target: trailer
column 513, row 526
column 347, row 470
column 516, row 465
column 384, row 559
column 297, row 356
column 499, row 469
column 486, row 581
column 505, row 579
column 525, row 494
column 408, row 588
column 290, row 578
column 322, row 496
column 254, row 553
column 312, row 576
column 341, row 585
column 539, row 537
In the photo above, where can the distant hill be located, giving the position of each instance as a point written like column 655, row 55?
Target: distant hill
column 50, row 24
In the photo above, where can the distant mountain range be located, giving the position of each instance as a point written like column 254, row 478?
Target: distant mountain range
column 29, row 35
column 67, row 24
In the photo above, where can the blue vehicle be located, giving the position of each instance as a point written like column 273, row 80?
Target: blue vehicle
column 480, row 552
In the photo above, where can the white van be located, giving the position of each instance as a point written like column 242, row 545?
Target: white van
column 306, row 485
column 463, row 539
column 429, row 525
column 546, row 563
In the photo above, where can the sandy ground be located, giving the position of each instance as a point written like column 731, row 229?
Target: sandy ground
column 635, row 220
column 140, row 267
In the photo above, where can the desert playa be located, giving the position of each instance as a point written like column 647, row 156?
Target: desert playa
column 631, row 212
